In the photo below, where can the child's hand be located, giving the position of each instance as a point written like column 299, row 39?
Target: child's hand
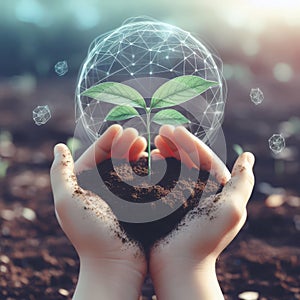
column 182, row 265
column 112, row 267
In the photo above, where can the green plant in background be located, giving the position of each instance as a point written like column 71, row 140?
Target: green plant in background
column 171, row 93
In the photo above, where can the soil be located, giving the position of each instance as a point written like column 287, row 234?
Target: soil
column 119, row 179
column 38, row 262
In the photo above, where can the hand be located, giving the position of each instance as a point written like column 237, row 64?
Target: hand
column 182, row 265
column 110, row 264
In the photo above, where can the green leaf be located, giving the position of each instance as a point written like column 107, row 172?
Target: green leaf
column 179, row 90
column 170, row 116
column 123, row 112
column 115, row 93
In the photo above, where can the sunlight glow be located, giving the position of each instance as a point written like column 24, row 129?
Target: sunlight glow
column 277, row 4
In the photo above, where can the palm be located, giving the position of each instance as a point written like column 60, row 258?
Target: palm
column 209, row 228
column 86, row 219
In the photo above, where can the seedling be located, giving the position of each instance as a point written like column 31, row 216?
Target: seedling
column 174, row 92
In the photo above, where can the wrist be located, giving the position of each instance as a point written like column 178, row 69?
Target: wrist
column 107, row 279
column 187, row 279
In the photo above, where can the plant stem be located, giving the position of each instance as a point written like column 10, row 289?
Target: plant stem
column 149, row 141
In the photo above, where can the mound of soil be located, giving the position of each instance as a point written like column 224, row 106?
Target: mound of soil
column 176, row 186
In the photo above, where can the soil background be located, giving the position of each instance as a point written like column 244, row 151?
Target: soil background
column 38, row 262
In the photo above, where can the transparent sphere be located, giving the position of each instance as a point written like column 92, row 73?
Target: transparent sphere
column 144, row 54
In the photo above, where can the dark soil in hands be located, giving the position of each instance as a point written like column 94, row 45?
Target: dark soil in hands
column 191, row 185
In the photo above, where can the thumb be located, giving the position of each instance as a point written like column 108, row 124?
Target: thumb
column 242, row 178
column 63, row 179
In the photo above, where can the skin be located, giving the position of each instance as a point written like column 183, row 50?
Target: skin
column 107, row 265
column 195, row 246
column 182, row 265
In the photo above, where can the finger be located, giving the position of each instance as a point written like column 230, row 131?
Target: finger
column 137, row 149
column 63, row 179
column 201, row 154
column 156, row 155
column 99, row 151
column 241, row 184
column 179, row 154
column 123, row 142
column 167, row 141
column 163, row 147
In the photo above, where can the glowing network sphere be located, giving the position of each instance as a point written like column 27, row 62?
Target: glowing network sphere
column 144, row 53
column 41, row 115
column 276, row 143
column 61, row 68
column 256, row 96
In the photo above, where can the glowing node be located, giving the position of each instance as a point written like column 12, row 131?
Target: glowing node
column 276, row 143
column 167, row 57
column 256, row 96
column 131, row 74
column 41, row 115
column 61, row 68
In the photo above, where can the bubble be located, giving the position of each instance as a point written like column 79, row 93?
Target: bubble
column 158, row 56
column 276, row 143
column 125, row 67
column 41, row 115
column 257, row 96
column 61, row 68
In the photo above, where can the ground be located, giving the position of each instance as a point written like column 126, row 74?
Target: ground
column 38, row 262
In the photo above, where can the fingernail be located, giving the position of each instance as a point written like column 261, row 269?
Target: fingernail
column 56, row 150
column 250, row 158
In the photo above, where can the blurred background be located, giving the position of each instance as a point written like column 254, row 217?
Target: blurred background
column 259, row 44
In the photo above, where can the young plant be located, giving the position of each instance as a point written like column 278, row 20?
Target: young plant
column 127, row 99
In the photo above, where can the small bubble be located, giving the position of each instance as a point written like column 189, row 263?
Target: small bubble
column 61, row 68
column 276, row 143
column 256, row 96
column 41, row 115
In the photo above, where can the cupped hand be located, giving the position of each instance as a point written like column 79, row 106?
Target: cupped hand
column 86, row 219
column 206, row 230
